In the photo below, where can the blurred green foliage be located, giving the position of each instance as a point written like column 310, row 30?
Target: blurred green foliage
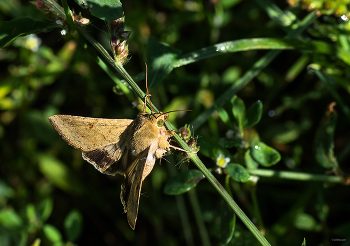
column 50, row 196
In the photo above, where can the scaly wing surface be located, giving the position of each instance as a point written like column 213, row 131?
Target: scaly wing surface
column 131, row 188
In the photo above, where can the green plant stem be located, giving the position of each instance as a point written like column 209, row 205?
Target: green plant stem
column 182, row 208
column 296, row 176
column 68, row 16
column 251, row 73
column 199, row 218
column 256, row 210
column 329, row 85
column 227, row 198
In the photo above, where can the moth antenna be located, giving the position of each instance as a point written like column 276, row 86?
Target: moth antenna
column 179, row 110
column 149, row 96
column 182, row 149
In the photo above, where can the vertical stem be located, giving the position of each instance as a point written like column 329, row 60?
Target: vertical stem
column 199, row 219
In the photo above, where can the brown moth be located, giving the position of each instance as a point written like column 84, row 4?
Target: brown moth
column 127, row 147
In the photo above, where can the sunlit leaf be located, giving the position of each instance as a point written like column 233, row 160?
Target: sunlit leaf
column 52, row 233
column 237, row 172
column 37, row 242
column 183, row 182
column 264, row 155
column 249, row 161
column 59, row 174
column 224, row 116
column 238, row 111
column 304, row 242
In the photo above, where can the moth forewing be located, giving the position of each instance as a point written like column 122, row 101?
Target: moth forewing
column 87, row 133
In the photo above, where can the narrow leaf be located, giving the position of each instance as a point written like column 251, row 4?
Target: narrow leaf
column 254, row 113
column 45, row 209
column 183, row 182
column 238, row 111
column 224, row 116
column 249, row 161
column 9, row 30
column 52, row 233
column 237, row 172
column 265, row 155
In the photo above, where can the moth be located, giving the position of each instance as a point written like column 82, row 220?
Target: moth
column 124, row 146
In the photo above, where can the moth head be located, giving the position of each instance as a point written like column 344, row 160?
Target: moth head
column 160, row 118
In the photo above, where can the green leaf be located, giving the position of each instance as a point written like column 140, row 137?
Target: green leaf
column 183, row 182
column 224, row 116
column 59, row 174
column 238, row 111
column 304, row 242
column 52, row 233
column 103, row 9
column 5, row 190
column 45, row 209
column 229, row 143
column 36, row 242
column 10, row 219
column 73, row 225
column 32, row 217
column 237, row 172
column 249, row 161
column 254, row 113
column 210, row 147
column 324, row 140
column 306, row 222
column 9, row 30
column 160, row 59
column 228, row 223
column 264, row 155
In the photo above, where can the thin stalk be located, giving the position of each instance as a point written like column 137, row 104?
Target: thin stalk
column 185, row 221
column 256, row 211
column 296, row 176
column 199, row 218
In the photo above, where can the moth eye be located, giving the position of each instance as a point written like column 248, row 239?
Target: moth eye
column 160, row 123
